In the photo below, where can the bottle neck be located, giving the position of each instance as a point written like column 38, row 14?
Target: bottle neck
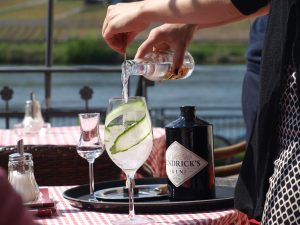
column 188, row 112
column 133, row 67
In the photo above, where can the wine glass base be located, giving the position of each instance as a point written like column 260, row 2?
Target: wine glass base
column 133, row 221
column 92, row 198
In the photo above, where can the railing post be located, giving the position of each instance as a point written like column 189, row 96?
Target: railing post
column 6, row 95
column 48, row 55
column 86, row 94
column 141, row 89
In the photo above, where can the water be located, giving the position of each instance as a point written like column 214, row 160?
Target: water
column 124, row 80
column 90, row 153
column 158, row 71
column 132, row 158
column 128, row 147
column 157, row 66
column 208, row 86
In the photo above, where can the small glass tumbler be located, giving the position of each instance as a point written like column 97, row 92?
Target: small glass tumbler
column 21, row 176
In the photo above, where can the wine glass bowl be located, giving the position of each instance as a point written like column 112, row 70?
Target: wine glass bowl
column 90, row 146
column 128, row 141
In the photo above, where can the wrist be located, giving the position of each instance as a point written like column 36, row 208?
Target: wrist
column 154, row 11
column 144, row 12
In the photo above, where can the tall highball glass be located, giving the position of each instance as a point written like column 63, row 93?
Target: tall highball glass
column 128, row 141
column 90, row 146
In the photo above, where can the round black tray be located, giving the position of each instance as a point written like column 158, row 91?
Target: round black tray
column 78, row 197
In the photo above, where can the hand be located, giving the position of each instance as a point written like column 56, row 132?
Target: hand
column 121, row 25
column 11, row 207
column 174, row 36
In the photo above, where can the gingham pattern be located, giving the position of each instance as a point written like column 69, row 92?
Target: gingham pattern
column 73, row 216
column 55, row 136
column 70, row 136
column 156, row 160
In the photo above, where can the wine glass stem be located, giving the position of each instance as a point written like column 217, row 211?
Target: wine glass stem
column 91, row 175
column 130, row 182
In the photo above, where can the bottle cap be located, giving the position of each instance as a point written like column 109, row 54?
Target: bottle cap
column 188, row 112
column 15, row 157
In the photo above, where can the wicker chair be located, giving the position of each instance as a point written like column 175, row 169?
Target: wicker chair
column 61, row 165
column 228, row 152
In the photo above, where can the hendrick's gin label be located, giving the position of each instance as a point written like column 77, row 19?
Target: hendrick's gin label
column 189, row 157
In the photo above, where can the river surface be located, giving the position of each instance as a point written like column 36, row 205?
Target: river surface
column 208, row 86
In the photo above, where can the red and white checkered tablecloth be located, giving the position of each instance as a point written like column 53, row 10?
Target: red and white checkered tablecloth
column 69, row 215
column 70, row 136
column 54, row 136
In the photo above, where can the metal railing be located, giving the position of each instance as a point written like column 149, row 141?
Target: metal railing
column 228, row 124
column 224, row 125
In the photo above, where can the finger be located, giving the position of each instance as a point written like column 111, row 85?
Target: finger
column 144, row 48
column 178, row 58
column 116, row 43
column 104, row 27
column 153, row 42
column 130, row 37
column 105, row 22
column 162, row 47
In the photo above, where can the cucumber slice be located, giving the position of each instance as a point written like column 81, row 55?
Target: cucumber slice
column 106, row 133
column 132, row 136
column 129, row 106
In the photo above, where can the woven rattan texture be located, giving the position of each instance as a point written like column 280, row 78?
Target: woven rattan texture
column 61, row 165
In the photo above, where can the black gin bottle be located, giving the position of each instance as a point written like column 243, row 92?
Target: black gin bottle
column 189, row 157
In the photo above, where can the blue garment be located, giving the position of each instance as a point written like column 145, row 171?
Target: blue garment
column 254, row 50
column 252, row 78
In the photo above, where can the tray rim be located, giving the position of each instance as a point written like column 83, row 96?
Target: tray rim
column 118, row 205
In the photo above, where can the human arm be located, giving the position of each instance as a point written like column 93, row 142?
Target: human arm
column 12, row 210
column 125, row 20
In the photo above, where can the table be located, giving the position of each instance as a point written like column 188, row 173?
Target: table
column 70, row 136
column 69, row 215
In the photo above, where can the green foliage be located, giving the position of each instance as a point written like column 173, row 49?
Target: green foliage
column 218, row 52
column 21, row 54
column 95, row 51
column 77, row 38
column 90, row 51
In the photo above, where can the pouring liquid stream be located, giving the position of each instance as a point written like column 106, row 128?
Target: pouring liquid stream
column 125, row 79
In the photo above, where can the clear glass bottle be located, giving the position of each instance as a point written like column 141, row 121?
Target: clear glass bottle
column 33, row 120
column 21, row 176
column 157, row 66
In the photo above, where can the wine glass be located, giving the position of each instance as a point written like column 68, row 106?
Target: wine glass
column 128, row 141
column 90, row 146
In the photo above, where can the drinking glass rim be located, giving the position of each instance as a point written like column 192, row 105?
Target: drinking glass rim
column 113, row 99
column 91, row 114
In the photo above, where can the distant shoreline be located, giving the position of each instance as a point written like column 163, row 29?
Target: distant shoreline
column 92, row 51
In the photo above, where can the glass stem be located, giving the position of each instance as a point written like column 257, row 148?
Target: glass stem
column 91, row 175
column 130, row 182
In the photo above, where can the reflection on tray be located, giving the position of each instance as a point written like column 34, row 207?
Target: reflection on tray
column 141, row 192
